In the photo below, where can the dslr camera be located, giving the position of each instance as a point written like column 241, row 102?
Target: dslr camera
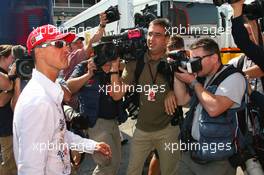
column 143, row 20
column 128, row 45
column 180, row 59
column 24, row 67
column 254, row 10
column 112, row 14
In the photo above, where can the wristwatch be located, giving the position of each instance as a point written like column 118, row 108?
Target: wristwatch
column 114, row 72
column 193, row 83
column 102, row 25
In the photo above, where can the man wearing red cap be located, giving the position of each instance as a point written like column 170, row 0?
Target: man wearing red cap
column 41, row 140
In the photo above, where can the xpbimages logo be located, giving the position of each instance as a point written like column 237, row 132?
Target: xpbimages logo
column 146, row 89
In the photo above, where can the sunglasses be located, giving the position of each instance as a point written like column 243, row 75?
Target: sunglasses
column 202, row 57
column 58, row 44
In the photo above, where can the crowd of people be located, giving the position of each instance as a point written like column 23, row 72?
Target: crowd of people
column 39, row 136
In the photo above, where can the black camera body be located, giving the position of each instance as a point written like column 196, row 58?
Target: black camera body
column 24, row 67
column 127, row 45
column 180, row 59
column 112, row 14
column 143, row 20
column 254, row 10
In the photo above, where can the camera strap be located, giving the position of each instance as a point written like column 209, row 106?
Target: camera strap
column 153, row 77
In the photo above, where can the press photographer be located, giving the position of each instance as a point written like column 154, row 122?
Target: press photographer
column 240, row 34
column 97, row 108
column 211, row 118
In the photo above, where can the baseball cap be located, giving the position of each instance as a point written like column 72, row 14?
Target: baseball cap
column 46, row 33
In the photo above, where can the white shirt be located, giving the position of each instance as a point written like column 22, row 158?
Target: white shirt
column 247, row 64
column 41, row 141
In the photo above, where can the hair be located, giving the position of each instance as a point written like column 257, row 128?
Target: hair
column 176, row 42
column 208, row 45
column 18, row 51
column 163, row 22
column 5, row 50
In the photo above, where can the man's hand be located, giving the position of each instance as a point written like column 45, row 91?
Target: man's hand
column 103, row 20
column 115, row 65
column 185, row 76
column 170, row 103
column 238, row 8
column 91, row 67
column 104, row 149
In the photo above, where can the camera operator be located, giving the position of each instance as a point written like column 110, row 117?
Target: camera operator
column 153, row 128
column 41, row 140
column 176, row 43
column 18, row 52
column 242, row 39
column 210, row 106
column 7, row 163
column 100, row 110
column 79, row 52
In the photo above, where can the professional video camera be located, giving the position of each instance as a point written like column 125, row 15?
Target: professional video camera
column 112, row 14
column 180, row 59
column 143, row 20
column 128, row 45
column 255, row 10
column 24, row 67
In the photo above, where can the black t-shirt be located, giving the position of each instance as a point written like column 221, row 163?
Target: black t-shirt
column 6, row 117
column 108, row 108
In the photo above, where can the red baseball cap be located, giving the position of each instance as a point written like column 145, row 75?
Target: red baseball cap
column 47, row 33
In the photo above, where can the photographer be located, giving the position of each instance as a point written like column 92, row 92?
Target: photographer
column 79, row 53
column 211, row 111
column 7, row 163
column 99, row 109
column 157, row 106
column 242, row 39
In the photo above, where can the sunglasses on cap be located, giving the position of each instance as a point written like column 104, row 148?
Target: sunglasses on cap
column 58, row 44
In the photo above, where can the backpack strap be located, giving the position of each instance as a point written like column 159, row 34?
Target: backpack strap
column 224, row 74
column 139, row 67
column 240, row 62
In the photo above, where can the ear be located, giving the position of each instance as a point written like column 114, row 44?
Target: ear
column 216, row 59
column 167, row 39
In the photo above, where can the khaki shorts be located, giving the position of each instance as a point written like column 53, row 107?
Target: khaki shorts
column 7, row 160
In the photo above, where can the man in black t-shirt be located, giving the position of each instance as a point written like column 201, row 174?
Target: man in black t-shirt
column 100, row 110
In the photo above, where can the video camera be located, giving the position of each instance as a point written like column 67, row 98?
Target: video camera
column 112, row 14
column 254, row 10
column 143, row 20
column 24, row 67
column 180, row 59
column 127, row 45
